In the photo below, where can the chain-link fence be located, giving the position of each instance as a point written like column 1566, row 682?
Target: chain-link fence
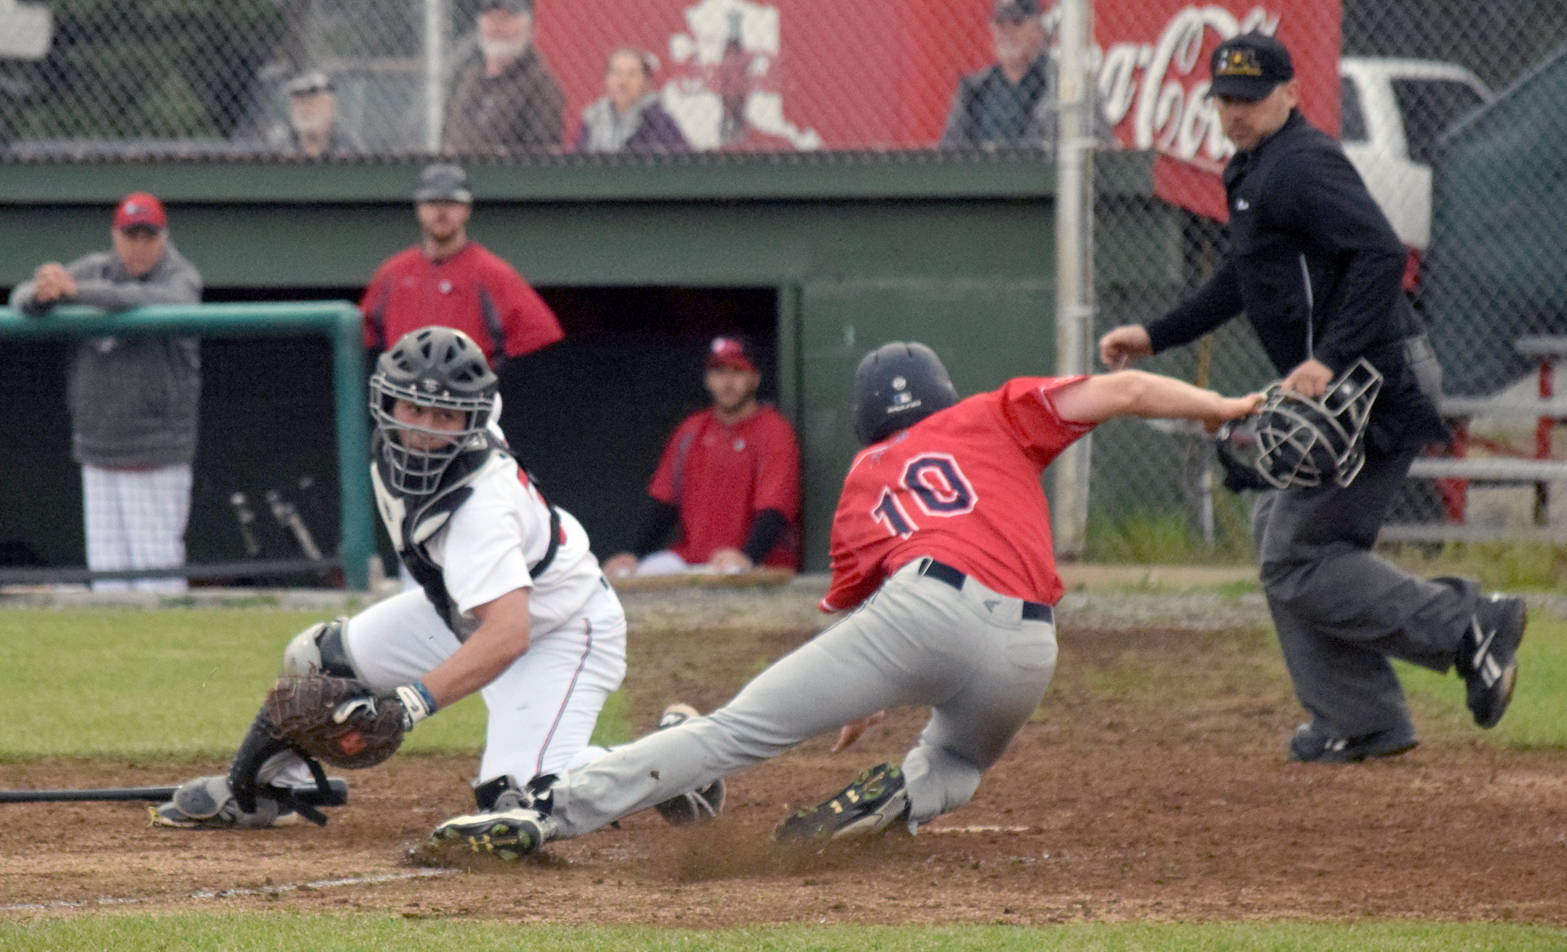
column 1451, row 111
column 1446, row 110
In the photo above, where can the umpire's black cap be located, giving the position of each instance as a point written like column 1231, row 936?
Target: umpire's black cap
column 443, row 182
column 1249, row 66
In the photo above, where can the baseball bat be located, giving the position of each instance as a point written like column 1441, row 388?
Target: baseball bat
column 287, row 516
column 100, row 793
column 247, row 518
column 335, row 796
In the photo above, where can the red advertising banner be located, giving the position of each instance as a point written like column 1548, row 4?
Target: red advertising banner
column 881, row 74
column 1153, row 80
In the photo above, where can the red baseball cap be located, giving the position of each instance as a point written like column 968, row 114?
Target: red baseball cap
column 140, row 208
column 730, row 351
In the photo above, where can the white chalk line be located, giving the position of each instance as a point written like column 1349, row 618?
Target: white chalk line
column 368, row 880
column 228, row 893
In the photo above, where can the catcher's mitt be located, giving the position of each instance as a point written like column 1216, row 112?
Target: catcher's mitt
column 336, row 720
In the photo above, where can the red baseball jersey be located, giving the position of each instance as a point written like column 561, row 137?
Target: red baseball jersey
column 474, row 291
column 720, row 477
column 963, row 486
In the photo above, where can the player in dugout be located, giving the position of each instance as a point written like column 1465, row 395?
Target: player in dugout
column 729, row 478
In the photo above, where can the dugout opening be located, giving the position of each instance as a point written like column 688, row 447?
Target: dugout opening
column 589, row 416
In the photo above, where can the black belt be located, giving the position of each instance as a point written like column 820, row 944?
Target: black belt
column 942, row 572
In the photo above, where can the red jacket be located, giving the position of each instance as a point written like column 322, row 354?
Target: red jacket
column 473, row 291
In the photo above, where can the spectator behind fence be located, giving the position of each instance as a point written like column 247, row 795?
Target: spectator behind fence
column 628, row 118
column 313, row 128
column 451, row 280
column 507, row 100
column 729, row 476
column 1012, row 103
column 133, row 402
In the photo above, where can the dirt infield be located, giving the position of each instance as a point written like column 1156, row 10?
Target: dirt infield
column 1151, row 786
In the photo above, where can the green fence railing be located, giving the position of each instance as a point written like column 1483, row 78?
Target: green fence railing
column 338, row 321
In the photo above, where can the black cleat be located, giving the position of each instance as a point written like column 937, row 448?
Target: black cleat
column 510, row 835
column 872, row 803
column 693, row 806
column 1488, row 656
column 1310, row 745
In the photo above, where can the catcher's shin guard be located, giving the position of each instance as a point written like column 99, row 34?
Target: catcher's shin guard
column 260, row 745
column 208, row 803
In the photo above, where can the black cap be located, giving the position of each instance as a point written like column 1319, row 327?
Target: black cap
column 443, row 182
column 1015, row 11
column 511, row 6
column 1249, row 66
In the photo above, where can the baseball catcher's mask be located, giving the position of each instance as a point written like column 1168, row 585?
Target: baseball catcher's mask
column 431, row 367
column 1297, row 442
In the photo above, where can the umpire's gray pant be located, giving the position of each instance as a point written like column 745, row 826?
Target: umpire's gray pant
column 1341, row 611
column 969, row 655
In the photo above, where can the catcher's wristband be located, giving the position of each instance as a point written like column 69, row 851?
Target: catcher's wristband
column 418, row 703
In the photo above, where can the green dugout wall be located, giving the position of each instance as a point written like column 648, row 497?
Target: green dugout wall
column 848, row 251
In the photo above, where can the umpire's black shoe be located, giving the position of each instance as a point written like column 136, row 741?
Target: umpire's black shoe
column 873, row 802
column 1487, row 657
column 1313, row 745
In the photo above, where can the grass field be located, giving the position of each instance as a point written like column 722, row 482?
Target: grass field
column 263, row 933
column 175, row 688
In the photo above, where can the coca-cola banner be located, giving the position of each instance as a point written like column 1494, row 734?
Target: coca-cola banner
column 1153, row 77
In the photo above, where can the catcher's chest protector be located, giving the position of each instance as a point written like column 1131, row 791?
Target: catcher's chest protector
column 411, row 527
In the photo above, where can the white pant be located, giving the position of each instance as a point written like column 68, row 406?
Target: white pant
column 135, row 519
column 542, row 709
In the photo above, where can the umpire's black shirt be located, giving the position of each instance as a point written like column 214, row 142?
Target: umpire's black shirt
column 1318, row 271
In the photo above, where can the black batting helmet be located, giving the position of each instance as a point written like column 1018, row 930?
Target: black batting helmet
column 431, row 367
column 897, row 385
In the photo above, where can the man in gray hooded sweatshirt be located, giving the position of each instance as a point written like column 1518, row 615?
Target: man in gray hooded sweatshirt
column 133, row 401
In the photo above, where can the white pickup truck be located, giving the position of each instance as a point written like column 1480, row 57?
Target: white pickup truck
column 1391, row 111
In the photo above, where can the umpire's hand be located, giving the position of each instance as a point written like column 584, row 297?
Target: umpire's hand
column 1310, row 379
column 1123, row 345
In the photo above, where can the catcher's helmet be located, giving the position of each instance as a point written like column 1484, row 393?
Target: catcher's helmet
column 896, row 386
column 431, row 367
column 1301, row 442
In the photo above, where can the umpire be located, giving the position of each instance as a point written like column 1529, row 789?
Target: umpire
column 1317, row 270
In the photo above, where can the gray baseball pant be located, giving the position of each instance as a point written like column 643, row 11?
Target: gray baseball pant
column 969, row 655
column 1341, row 611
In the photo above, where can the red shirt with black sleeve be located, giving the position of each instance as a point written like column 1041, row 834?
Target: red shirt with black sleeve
column 473, row 291
column 721, row 476
column 962, row 486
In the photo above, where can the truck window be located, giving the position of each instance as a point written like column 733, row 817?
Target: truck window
column 1351, row 118
column 1429, row 106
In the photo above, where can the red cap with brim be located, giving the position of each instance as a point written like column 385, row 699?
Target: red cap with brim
column 730, row 352
column 140, row 209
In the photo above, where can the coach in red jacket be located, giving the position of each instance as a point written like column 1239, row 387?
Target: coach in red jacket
column 451, row 280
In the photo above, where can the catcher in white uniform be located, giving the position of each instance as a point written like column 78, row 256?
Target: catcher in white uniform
column 512, row 605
